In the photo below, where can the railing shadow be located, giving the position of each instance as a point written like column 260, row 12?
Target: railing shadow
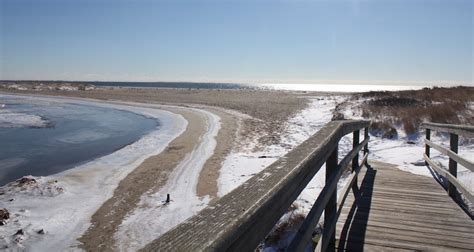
column 353, row 232
column 443, row 182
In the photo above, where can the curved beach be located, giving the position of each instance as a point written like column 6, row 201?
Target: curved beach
column 183, row 158
column 206, row 146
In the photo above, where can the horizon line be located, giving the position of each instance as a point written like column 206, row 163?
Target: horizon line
column 327, row 82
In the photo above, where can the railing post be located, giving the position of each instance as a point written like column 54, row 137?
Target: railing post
column 453, row 165
column 427, row 147
column 355, row 142
column 366, row 135
column 331, row 207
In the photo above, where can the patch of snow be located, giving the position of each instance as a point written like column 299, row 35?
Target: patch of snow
column 68, row 88
column 10, row 119
column 157, row 218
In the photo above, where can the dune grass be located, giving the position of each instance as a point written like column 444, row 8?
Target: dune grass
column 408, row 109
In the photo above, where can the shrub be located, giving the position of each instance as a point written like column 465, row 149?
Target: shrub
column 411, row 108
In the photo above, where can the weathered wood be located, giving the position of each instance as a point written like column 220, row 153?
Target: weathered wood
column 242, row 218
column 304, row 233
column 447, row 225
column 453, row 166
column 355, row 142
column 460, row 160
column 453, row 180
column 427, row 138
column 366, row 135
column 462, row 130
column 329, row 238
column 382, row 216
column 322, row 244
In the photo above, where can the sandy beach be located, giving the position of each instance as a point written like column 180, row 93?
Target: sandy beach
column 249, row 120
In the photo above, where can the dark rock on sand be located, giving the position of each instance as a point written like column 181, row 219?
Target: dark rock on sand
column 4, row 215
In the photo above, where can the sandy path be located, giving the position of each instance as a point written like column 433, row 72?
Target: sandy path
column 150, row 175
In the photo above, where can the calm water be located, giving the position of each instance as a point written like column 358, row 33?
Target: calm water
column 74, row 134
column 177, row 85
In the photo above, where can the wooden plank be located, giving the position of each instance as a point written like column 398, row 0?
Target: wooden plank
column 371, row 248
column 414, row 227
column 414, row 216
column 421, row 185
column 411, row 208
column 408, row 197
column 412, row 236
column 406, row 191
column 354, row 245
column 408, row 210
column 447, row 225
column 466, row 193
column 412, row 203
column 460, row 160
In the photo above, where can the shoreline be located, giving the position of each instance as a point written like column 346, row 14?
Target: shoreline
column 83, row 182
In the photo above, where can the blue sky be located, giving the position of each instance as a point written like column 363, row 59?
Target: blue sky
column 383, row 41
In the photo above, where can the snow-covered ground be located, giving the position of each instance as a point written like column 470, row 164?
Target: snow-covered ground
column 240, row 166
column 62, row 205
column 157, row 218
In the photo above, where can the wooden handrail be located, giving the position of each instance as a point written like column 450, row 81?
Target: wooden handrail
column 240, row 220
column 460, row 160
column 460, row 130
column 445, row 173
column 304, row 234
column 451, row 175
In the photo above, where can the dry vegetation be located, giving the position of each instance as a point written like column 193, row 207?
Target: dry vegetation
column 278, row 238
column 408, row 109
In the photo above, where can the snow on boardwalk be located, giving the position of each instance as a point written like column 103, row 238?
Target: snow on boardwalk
column 399, row 210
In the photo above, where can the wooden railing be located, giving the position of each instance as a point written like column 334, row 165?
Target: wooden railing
column 240, row 220
column 454, row 159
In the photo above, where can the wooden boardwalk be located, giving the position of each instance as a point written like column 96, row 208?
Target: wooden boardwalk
column 400, row 211
column 393, row 210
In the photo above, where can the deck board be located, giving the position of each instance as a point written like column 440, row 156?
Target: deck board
column 401, row 211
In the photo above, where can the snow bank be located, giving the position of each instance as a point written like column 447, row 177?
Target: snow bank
column 65, row 215
column 156, row 217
